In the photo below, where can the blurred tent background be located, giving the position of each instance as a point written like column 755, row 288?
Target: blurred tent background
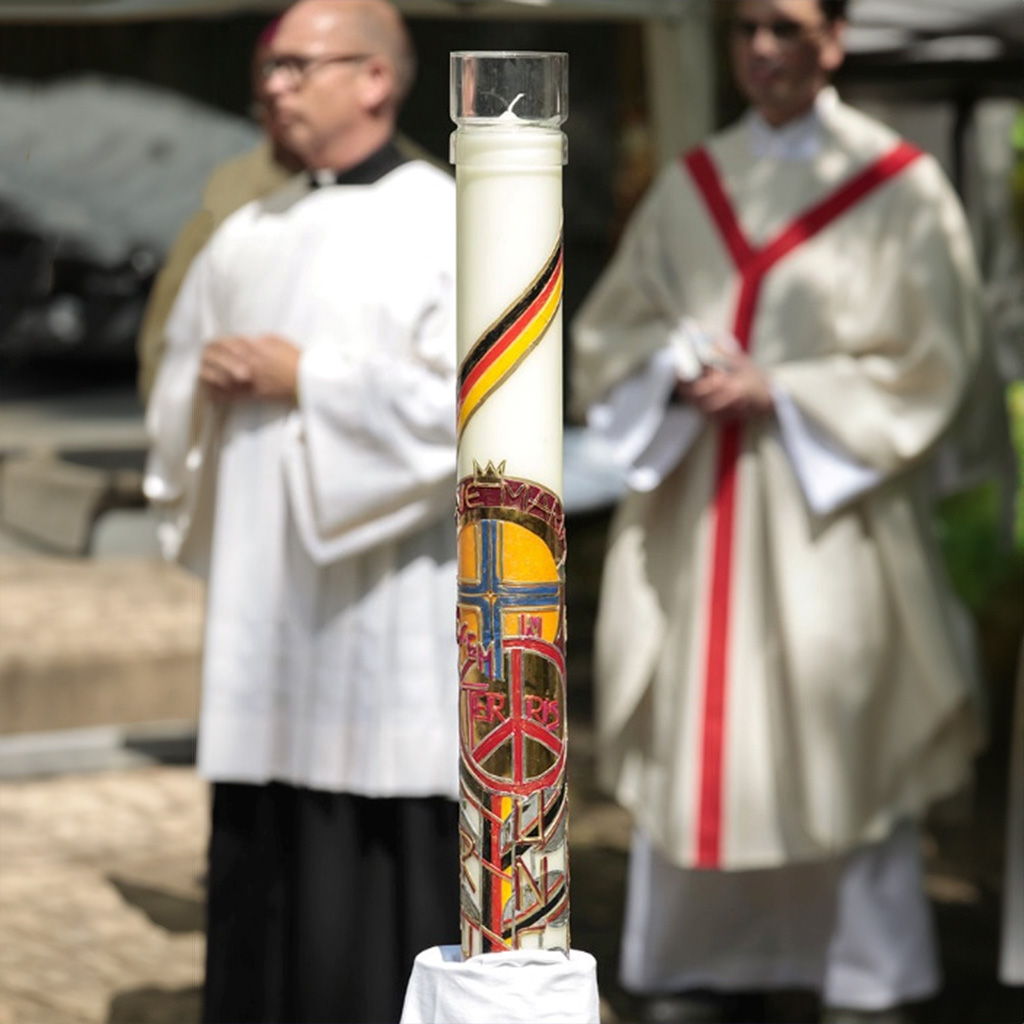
column 937, row 30
column 113, row 112
column 97, row 175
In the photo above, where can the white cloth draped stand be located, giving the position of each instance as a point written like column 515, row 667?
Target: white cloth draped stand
column 524, row 986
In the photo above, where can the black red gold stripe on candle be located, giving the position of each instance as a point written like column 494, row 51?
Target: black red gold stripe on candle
column 510, row 338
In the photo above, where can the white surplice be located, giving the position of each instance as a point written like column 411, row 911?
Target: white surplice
column 325, row 530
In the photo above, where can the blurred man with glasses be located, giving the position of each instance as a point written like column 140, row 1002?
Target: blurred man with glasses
column 789, row 332
column 303, row 458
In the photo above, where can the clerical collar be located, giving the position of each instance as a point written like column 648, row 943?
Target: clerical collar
column 798, row 140
column 372, row 169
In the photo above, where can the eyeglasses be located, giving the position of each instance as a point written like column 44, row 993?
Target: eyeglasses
column 784, row 31
column 296, row 69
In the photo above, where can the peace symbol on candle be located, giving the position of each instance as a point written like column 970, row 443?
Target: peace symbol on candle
column 511, row 633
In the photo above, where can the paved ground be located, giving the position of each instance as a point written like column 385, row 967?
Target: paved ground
column 100, row 898
column 101, row 870
column 101, row 904
column 87, row 642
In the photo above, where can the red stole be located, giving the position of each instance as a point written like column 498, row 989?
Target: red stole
column 753, row 265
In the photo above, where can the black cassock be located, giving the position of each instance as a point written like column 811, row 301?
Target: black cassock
column 319, row 902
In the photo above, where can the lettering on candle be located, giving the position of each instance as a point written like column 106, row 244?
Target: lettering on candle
column 547, row 712
column 531, row 625
column 536, row 887
column 472, row 654
column 488, row 707
column 467, row 852
column 525, row 879
column 489, row 488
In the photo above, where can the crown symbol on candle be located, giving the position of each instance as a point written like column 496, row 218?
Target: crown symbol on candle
column 490, row 475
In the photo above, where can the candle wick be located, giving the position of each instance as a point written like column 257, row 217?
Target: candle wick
column 510, row 113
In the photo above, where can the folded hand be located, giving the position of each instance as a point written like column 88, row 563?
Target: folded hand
column 734, row 388
column 265, row 366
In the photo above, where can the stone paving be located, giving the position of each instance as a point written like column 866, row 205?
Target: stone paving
column 101, row 903
column 101, row 872
column 90, row 642
column 100, row 897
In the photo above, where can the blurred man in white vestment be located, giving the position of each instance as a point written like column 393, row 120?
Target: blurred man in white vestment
column 785, row 680
column 303, row 457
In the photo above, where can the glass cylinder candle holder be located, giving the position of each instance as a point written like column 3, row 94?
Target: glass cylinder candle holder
column 508, row 150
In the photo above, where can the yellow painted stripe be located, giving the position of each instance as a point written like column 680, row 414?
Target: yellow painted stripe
column 512, row 356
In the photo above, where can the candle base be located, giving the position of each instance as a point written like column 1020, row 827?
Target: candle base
column 519, row 987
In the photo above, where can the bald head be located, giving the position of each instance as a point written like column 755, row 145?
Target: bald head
column 337, row 72
column 385, row 32
column 375, row 25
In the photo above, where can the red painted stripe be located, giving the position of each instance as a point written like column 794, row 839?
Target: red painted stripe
column 545, row 648
column 753, row 265
column 544, row 737
column 494, row 739
column 511, row 332
column 494, row 880
column 516, row 716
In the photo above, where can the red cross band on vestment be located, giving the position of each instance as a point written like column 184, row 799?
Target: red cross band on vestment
column 752, row 264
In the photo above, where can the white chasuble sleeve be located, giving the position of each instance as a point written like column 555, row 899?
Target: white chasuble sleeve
column 908, row 342
column 372, row 452
column 644, row 432
column 633, row 342
column 632, row 311
column 829, row 477
column 181, row 425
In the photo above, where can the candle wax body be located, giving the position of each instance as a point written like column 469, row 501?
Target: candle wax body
column 509, row 218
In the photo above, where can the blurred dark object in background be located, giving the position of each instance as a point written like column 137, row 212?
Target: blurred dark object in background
column 57, row 297
column 97, row 173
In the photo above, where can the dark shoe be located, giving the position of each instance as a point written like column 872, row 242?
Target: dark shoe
column 685, row 1008
column 849, row 1015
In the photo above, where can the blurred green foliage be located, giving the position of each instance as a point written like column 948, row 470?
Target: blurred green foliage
column 971, row 529
column 1015, row 403
column 972, row 532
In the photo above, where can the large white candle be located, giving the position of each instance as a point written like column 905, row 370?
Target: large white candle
column 508, row 150
column 509, row 224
